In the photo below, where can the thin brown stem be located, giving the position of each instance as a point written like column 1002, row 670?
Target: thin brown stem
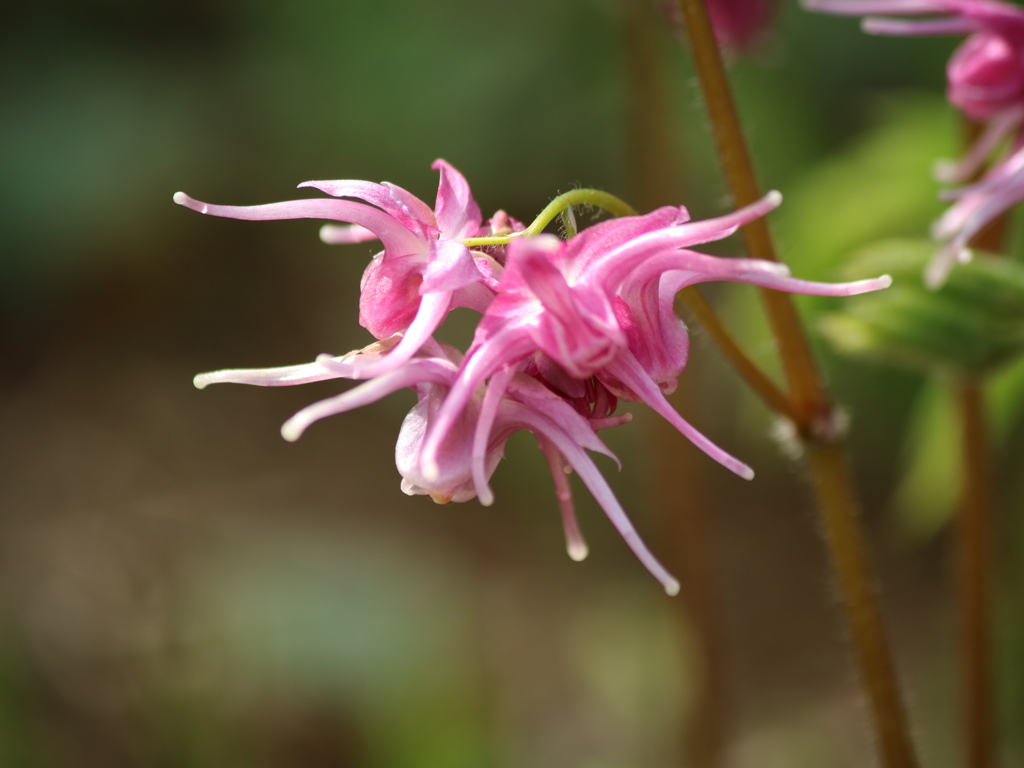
column 652, row 160
column 839, row 520
column 798, row 363
column 973, row 543
column 809, row 399
column 754, row 376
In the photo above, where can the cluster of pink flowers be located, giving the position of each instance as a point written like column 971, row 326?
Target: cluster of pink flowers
column 985, row 81
column 567, row 330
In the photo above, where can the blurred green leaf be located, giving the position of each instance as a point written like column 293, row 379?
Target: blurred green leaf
column 971, row 325
column 880, row 186
column 877, row 186
column 929, row 492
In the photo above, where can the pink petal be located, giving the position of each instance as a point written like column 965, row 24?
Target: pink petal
column 333, row 234
column 627, row 370
column 457, row 213
column 395, row 237
column 575, row 543
column 505, row 348
column 389, row 296
column 493, row 398
column 454, row 483
column 865, row 7
column 556, row 410
column 901, row 28
column 432, row 310
column 614, row 268
column 595, row 242
column 268, row 377
column 602, row 493
column 451, row 267
column 412, row 212
column 416, row 372
column 995, row 130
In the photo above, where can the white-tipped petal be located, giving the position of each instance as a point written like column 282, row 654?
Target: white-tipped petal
column 283, row 376
column 195, row 205
column 866, row 286
column 874, row 25
column 578, row 550
column 292, row 429
column 338, row 234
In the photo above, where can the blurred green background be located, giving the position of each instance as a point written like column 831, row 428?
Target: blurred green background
column 180, row 587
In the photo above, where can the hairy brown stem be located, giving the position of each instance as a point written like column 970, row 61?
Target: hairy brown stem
column 810, row 401
column 805, row 389
column 839, row 522
column 754, row 376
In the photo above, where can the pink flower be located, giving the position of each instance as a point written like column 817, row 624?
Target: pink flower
column 567, row 330
column 473, row 443
column 986, row 73
column 985, row 80
column 974, row 206
column 424, row 270
column 600, row 305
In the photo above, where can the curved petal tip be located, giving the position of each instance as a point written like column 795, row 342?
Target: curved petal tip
column 578, row 551
column 184, row 200
column 292, row 430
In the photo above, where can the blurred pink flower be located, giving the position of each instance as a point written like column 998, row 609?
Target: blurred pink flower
column 985, row 81
column 986, row 73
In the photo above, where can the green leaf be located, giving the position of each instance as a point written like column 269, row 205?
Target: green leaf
column 971, row 325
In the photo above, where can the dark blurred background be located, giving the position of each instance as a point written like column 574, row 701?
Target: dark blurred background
column 180, row 587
